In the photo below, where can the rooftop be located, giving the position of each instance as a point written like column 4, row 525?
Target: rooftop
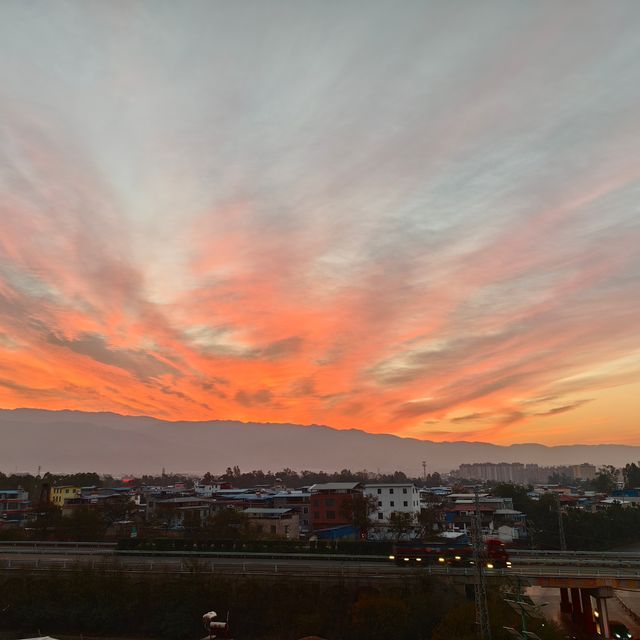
column 267, row 512
column 336, row 486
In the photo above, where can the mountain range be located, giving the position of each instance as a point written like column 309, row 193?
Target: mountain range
column 68, row 441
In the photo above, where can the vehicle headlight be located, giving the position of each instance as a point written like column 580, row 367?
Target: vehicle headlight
column 406, row 559
column 489, row 565
column 458, row 558
column 508, row 563
column 392, row 557
column 418, row 559
column 440, row 559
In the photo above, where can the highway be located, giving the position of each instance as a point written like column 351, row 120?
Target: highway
column 544, row 569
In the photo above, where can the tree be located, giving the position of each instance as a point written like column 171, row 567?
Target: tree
column 401, row 523
column 428, row 521
column 227, row 523
column 117, row 510
column 560, row 478
column 606, row 479
column 631, row 475
column 378, row 617
column 433, row 480
column 47, row 521
column 517, row 493
column 84, row 524
column 357, row 508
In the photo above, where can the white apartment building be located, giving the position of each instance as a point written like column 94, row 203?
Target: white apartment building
column 207, row 490
column 403, row 497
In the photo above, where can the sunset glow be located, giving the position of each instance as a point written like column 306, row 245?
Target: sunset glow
column 408, row 221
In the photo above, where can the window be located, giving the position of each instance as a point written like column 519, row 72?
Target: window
column 273, row 528
column 390, row 490
column 405, row 504
column 305, row 509
column 404, row 491
column 316, row 515
column 330, row 502
column 380, row 516
column 379, row 491
column 331, row 515
column 392, row 504
column 379, row 503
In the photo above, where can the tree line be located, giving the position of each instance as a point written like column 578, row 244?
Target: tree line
column 296, row 479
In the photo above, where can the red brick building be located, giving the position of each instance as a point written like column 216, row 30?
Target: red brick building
column 327, row 504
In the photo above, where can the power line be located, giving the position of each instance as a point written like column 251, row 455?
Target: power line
column 480, row 589
column 563, row 540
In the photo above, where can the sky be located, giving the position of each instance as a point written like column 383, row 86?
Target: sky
column 418, row 218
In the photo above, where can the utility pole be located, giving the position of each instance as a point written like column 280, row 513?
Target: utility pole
column 563, row 540
column 424, row 470
column 482, row 609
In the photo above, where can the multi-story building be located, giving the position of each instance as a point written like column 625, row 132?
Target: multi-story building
column 518, row 473
column 274, row 522
column 584, row 471
column 298, row 500
column 329, row 504
column 14, row 505
column 59, row 495
column 208, row 490
column 399, row 497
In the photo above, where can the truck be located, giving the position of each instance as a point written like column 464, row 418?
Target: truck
column 448, row 553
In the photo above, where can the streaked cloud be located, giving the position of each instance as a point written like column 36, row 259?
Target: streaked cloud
column 421, row 221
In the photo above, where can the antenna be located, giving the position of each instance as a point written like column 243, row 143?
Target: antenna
column 482, row 609
column 424, row 470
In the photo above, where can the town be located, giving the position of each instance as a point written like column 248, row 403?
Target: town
column 369, row 539
column 519, row 505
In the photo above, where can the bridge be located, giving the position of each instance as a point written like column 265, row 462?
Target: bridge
column 586, row 580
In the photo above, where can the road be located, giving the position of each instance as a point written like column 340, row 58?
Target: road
column 306, row 566
column 550, row 598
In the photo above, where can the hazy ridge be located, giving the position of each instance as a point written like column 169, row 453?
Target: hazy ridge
column 65, row 441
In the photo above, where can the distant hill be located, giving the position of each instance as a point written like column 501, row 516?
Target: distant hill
column 66, row 441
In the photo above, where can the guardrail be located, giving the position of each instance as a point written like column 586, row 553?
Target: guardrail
column 298, row 568
column 573, row 554
column 519, row 556
column 27, row 544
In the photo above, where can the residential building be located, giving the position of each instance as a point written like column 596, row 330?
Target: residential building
column 584, row 471
column 393, row 497
column 329, row 504
column 14, row 505
column 208, row 490
column 59, row 495
column 519, row 473
column 174, row 513
column 298, row 500
column 274, row 522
